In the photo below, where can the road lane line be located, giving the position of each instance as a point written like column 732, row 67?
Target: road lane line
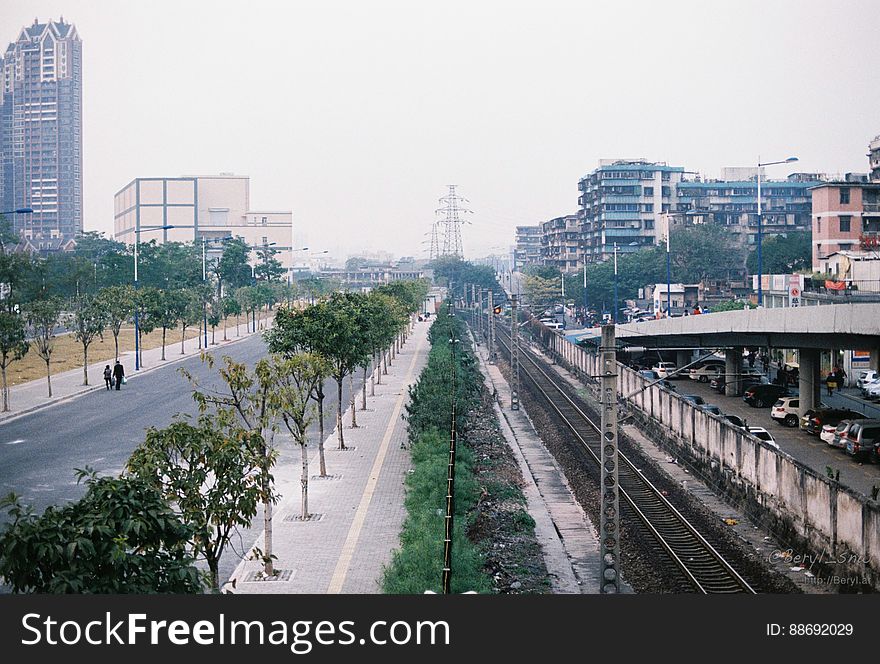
column 354, row 532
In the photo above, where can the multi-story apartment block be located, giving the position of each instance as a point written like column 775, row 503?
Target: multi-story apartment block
column 732, row 202
column 41, row 132
column 874, row 158
column 621, row 203
column 528, row 247
column 560, row 243
column 193, row 208
column 846, row 217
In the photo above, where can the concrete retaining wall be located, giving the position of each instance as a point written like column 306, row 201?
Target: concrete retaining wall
column 796, row 502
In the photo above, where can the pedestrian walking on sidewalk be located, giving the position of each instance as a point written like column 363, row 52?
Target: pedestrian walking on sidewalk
column 118, row 374
column 108, row 377
column 840, row 377
column 831, row 382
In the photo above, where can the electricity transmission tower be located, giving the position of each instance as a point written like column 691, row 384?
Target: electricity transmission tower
column 435, row 241
column 452, row 220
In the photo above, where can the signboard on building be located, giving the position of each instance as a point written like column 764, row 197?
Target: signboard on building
column 861, row 359
column 794, row 291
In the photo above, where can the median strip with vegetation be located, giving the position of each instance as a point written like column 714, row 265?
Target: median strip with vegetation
column 494, row 548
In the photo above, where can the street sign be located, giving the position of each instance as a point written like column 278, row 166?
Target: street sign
column 794, row 292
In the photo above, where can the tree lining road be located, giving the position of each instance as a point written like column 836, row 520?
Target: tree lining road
column 39, row 451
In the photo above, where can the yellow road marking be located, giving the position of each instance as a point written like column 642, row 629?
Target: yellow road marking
column 354, row 532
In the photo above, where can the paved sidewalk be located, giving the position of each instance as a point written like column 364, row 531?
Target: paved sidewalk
column 567, row 537
column 33, row 395
column 357, row 513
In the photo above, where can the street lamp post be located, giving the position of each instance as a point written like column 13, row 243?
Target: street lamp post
column 137, row 329
column 205, row 281
column 586, row 300
column 760, row 223
column 668, row 276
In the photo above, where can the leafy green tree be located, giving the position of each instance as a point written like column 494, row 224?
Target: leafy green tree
column 247, row 401
column 145, row 304
column 233, row 269
column 43, row 317
column 301, row 332
column 211, row 473
column 167, row 308
column 542, row 292
column 297, row 378
column 246, row 297
column 121, row 537
column 89, row 320
column 190, row 314
column 231, row 307
column 783, row 254
column 267, row 268
column 214, row 319
column 13, row 346
column 461, row 272
column 117, row 303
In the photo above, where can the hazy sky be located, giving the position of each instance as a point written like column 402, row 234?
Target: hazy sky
column 356, row 115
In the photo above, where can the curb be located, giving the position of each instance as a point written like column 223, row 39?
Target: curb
column 92, row 388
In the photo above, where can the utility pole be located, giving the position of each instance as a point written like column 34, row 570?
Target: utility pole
column 491, row 315
column 514, row 353
column 609, row 514
column 450, row 484
column 480, row 315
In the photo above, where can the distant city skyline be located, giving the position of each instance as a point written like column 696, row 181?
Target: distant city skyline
column 356, row 116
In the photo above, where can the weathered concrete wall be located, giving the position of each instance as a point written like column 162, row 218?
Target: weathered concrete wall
column 792, row 499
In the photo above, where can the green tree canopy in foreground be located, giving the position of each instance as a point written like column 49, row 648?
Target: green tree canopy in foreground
column 121, row 537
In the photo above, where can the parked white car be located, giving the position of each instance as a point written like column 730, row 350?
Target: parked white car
column 865, row 377
column 785, row 411
column 664, row 369
column 762, row 434
column 827, row 433
column 706, row 372
column 872, row 390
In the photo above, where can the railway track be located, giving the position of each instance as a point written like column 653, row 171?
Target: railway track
column 702, row 566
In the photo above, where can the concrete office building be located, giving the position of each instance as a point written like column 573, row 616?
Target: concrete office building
column 622, row 203
column 41, row 133
column 210, row 207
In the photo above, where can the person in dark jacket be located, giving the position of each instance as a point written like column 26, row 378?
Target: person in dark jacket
column 108, row 376
column 118, row 374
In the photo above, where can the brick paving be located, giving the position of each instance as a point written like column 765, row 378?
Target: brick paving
column 361, row 508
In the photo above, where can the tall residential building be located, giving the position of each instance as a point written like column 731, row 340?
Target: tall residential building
column 197, row 208
column 560, row 243
column 528, row 247
column 621, row 203
column 874, row 158
column 846, row 217
column 41, row 132
column 732, row 202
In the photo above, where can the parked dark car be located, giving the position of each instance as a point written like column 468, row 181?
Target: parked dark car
column 763, row 395
column 719, row 382
column 816, row 419
column 694, row 399
column 736, row 421
column 861, row 438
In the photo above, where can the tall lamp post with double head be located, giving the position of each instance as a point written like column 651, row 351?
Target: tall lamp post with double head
column 137, row 328
column 761, row 224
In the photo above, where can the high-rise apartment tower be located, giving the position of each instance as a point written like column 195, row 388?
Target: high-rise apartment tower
column 41, row 132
